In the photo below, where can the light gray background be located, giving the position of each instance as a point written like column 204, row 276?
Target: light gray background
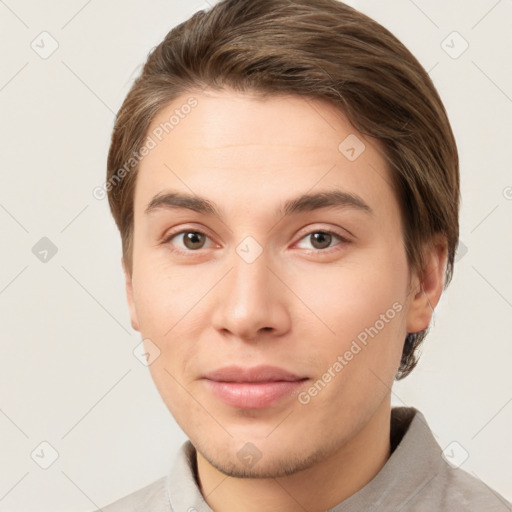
column 68, row 374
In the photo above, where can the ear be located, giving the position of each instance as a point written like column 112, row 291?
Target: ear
column 129, row 296
column 427, row 286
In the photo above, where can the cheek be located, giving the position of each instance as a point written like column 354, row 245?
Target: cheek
column 364, row 305
column 169, row 306
column 352, row 296
column 164, row 300
column 356, row 366
column 163, row 295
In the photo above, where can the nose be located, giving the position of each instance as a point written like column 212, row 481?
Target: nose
column 250, row 302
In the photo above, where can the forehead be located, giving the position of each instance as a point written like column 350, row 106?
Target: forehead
column 223, row 119
column 241, row 147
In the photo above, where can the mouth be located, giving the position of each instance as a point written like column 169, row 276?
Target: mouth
column 252, row 388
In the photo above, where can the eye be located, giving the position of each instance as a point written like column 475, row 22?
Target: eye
column 321, row 239
column 191, row 240
column 188, row 241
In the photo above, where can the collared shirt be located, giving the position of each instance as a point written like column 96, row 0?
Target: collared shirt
column 416, row 477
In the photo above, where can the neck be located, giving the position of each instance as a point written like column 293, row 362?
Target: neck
column 315, row 489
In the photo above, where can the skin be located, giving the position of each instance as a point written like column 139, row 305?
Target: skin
column 297, row 306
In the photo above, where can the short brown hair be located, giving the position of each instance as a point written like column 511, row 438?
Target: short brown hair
column 320, row 49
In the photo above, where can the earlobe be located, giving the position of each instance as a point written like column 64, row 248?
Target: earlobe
column 129, row 297
column 427, row 286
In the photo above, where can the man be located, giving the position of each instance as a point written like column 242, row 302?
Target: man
column 285, row 181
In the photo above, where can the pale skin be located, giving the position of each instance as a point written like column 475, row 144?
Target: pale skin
column 299, row 305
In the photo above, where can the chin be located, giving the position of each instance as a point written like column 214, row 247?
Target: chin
column 262, row 458
column 273, row 467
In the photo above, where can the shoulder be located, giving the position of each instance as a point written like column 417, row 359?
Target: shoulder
column 152, row 497
column 460, row 491
column 424, row 479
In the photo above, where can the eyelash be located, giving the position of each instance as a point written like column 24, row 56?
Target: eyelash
column 328, row 250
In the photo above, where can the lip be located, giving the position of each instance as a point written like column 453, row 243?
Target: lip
column 261, row 373
column 252, row 388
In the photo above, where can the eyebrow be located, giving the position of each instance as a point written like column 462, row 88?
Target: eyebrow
column 304, row 203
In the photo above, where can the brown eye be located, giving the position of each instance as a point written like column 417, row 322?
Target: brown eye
column 193, row 239
column 320, row 239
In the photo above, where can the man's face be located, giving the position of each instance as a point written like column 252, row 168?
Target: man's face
column 321, row 293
